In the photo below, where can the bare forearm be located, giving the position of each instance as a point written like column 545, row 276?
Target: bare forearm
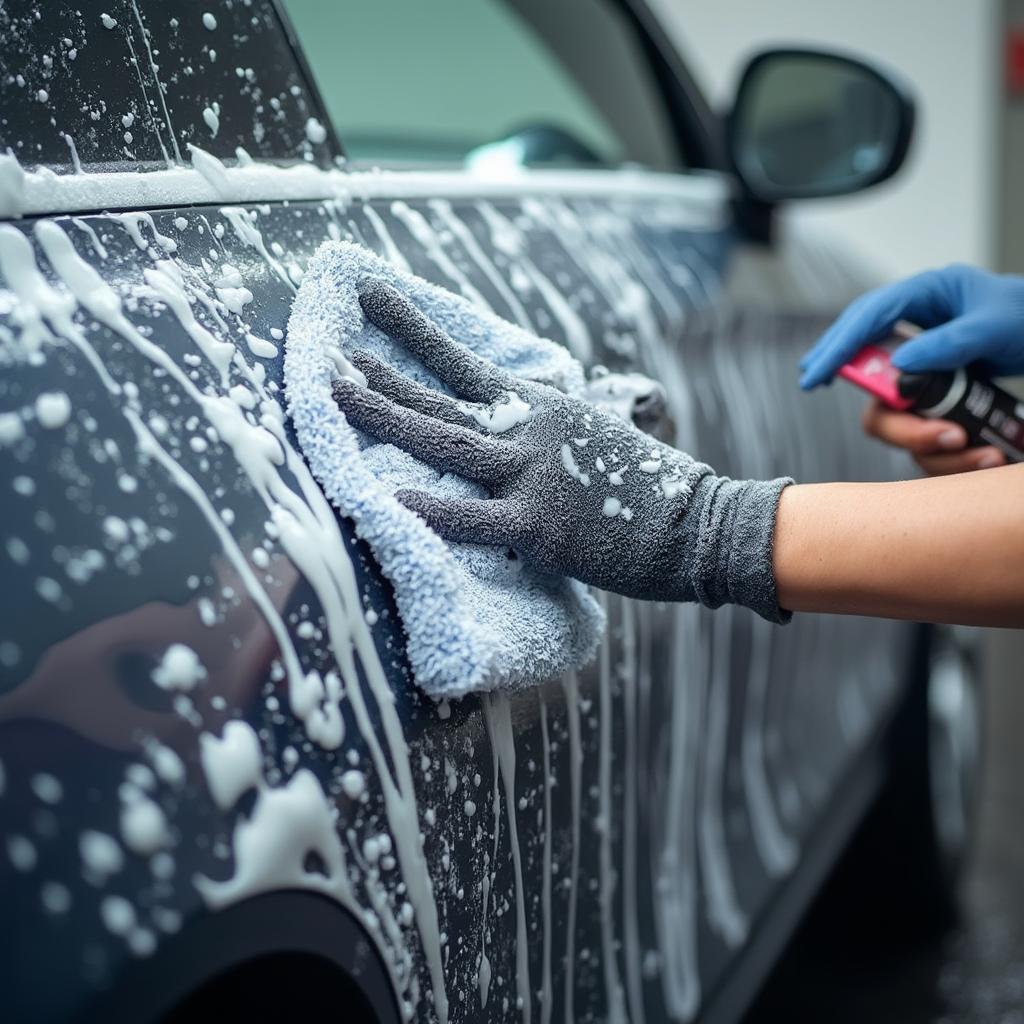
column 949, row 549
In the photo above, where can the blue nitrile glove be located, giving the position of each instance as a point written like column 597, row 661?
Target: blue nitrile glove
column 969, row 316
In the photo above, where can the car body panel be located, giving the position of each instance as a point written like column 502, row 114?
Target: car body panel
column 602, row 848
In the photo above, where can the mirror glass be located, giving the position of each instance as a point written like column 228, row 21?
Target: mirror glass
column 810, row 124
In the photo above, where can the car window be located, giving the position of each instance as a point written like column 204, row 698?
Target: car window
column 527, row 82
column 131, row 84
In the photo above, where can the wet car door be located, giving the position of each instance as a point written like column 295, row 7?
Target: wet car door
column 673, row 783
column 603, row 847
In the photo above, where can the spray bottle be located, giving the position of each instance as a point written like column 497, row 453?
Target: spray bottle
column 987, row 413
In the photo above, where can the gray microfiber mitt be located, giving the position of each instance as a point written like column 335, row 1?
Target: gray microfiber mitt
column 573, row 485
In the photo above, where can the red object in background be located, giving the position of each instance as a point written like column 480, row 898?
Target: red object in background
column 1015, row 61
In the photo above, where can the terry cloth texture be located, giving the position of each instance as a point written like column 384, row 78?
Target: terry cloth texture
column 476, row 618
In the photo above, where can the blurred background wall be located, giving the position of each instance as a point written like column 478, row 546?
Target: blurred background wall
column 943, row 206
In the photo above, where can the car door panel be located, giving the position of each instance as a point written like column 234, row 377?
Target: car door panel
column 607, row 842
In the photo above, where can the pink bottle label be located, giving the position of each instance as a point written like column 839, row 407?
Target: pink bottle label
column 871, row 369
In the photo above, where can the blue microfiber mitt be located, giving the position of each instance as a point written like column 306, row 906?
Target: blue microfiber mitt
column 476, row 618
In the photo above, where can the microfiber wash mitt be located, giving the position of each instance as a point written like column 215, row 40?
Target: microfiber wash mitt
column 476, row 618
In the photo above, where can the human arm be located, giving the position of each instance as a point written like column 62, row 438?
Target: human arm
column 579, row 492
column 571, row 487
column 948, row 549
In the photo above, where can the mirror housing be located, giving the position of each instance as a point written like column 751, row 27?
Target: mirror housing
column 810, row 123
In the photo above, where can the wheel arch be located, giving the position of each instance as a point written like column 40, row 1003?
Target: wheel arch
column 213, row 954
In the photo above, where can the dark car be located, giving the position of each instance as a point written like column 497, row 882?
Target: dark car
column 180, row 600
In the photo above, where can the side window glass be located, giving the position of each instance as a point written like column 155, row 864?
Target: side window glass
column 99, row 84
column 496, row 82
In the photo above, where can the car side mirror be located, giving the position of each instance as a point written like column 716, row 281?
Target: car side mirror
column 807, row 124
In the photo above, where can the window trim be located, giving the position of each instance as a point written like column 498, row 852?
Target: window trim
column 704, row 193
column 312, row 86
column 699, row 130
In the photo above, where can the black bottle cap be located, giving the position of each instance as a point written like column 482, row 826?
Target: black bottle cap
column 912, row 385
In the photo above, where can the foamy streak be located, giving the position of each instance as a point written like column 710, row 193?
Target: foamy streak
column 392, row 253
column 310, row 535
column 616, row 1006
column 426, row 236
column 461, row 230
column 630, row 825
column 778, row 853
column 725, row 915
column 498, row 714
column 570, row 685
column 699, row 199
column 507, row 238
column 674, row 840
column 545, row 983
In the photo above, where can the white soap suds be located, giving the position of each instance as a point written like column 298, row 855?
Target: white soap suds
column 209, row 21
column 346, row 369
column 12, row 186
column 55, row 897
column 235, row 299
column 140, row 776
column 211, row 115
column 620, row 393
column 117, row 914
column 100, row 853
column 143, row 825
column 108, row 21
column 132, row 223
column 572, row 467
column 315, row 131
column 22, row 852
column 260, row 347
column 179, row 669
column 232, row 762
column 53, row 409
column 212, row 170
column 208, row 180
column 503, row 417
column 141, row 941
column 166, row 763
column 47, row 788
column 49, row 589
column 116, row 529
column 12, row 429
column 272, row 844
column 673, row 487
column 353, row 783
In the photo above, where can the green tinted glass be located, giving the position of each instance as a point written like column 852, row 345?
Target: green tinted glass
column 440, row 81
